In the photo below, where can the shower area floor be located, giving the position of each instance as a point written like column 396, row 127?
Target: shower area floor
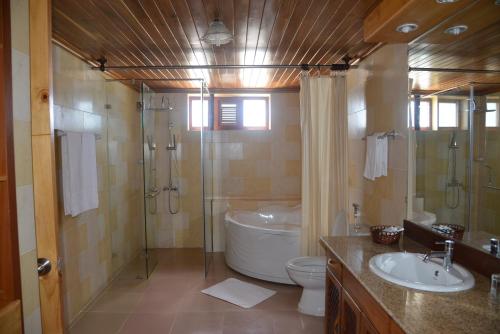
column 171, row 302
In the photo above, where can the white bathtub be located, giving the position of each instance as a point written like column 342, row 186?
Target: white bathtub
column 258, row 244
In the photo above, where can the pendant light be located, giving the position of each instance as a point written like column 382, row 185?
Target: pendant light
column 217, row 33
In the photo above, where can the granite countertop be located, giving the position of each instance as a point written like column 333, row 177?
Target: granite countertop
column 417, row 312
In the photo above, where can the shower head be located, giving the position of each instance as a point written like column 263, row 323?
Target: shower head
column 169, row 107
column 453, row 142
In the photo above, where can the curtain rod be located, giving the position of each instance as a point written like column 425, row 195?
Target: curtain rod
column 450, row 70
column 147, row 79
column 305, row 67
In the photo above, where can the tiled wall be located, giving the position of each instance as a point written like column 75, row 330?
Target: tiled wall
column 377, row 102
column 250, row 169
column 97, row 243
column 24, row 177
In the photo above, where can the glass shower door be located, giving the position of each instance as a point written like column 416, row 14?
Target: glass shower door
column 485, row 212
column 151, row 188
column 207, row 178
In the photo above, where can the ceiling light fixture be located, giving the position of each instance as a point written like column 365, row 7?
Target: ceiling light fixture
column 407, row 27
column 217, row 34
column 446, row 1
column 456, row 30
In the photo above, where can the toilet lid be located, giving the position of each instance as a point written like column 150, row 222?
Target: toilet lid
column 309, row 264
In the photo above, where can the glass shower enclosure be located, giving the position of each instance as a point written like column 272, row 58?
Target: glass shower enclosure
column 163, row 192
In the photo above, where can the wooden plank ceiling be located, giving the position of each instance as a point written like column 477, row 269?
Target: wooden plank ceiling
column 168, row 32
column 478, row 48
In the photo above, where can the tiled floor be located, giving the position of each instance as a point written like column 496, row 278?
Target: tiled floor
column 170, row 302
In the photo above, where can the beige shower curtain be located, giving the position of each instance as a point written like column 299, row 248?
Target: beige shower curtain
column 323, row 120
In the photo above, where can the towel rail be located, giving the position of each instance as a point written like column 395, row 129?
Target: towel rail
column 389, row 134
column 61, row 133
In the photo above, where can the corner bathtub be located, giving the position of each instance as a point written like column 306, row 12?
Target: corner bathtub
column 259, row 244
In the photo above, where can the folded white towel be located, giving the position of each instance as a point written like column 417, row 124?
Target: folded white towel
column 376, row 156
column 79, row 173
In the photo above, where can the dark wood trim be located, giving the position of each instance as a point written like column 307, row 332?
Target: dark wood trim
column 470, row 257
column 10, row 276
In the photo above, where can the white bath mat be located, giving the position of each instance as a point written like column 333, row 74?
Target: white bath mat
column 240, row 293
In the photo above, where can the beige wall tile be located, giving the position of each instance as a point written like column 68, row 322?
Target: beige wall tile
column 95, row 239
column 22, row 153
column 377, row 101
column 29, row 282
column 249, row 164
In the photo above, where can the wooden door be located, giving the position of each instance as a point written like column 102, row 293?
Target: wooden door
column 10, row 278
column 44, row 168
column 333, row 304
column 350, row 315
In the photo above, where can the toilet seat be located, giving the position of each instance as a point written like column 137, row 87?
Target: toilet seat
column 308, row 264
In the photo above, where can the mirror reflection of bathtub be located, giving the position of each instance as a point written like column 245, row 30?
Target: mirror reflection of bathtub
column 259, row 243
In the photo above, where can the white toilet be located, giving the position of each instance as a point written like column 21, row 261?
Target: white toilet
column 310, row 273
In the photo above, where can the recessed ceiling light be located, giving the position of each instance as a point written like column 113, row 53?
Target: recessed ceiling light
column 407, row 27
column 446, row 1
column 456, row 30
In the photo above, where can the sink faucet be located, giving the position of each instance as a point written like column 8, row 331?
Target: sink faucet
column 446, row 255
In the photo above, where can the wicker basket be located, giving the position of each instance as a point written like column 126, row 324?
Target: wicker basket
column 455, row 232
column 383, row 237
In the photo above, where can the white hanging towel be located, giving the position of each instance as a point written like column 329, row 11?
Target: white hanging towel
column 79, row 173
column 382, row 156
column 376, row 156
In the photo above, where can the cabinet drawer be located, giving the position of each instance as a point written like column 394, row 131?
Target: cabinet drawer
column 334, row 266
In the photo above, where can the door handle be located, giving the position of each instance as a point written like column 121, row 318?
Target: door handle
column 44, row 266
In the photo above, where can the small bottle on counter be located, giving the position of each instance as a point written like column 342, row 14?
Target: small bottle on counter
column 494, row 296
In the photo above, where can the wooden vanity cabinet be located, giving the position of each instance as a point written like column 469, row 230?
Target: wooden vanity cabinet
column 333, row 304
column 349, row 309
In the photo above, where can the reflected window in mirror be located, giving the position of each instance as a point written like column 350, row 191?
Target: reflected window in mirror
column 447, row 114
column 492, row 120
column 424, row 117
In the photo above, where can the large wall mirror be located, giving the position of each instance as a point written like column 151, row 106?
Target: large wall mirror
column 455, row 162
column 454, row 133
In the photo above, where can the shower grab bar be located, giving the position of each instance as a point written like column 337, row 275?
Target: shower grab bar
column 389, row 134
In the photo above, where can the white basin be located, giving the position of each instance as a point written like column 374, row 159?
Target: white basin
column 409, row 270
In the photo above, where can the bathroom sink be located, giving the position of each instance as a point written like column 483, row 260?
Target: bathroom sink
column 409, row 270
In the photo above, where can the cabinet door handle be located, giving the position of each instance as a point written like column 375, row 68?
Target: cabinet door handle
column 44, row 266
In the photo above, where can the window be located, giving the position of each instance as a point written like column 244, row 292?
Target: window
column 195, row 115
column 231, row 112
column 425, row 113
column 492, row 115
column 447, row 114
column 255, row 113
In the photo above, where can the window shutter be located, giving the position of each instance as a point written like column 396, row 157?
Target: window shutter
column 229, row 110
